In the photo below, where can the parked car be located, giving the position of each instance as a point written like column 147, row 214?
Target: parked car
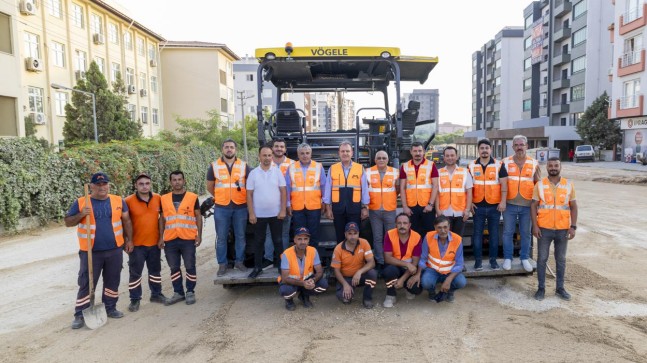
column 584, row 152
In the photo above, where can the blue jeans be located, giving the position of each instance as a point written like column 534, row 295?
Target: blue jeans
column 510, row 215
column 225, row 218
column 560, row 238
column 309, row 219
column 493, row 217
column 269, row 245
column 431, row 277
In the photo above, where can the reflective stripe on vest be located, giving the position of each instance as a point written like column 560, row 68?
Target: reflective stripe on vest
column 382, row 192
column 418, row 187
column 452, row 192
column 116, row 205
column 394, row 237
column 340, row 182
column 554, row 211
column 180, row 223
column 225, row 189
column 520, row 181
column 442, row 264
column 305, row 193
column 486, row 183
column 308, row 266
column 284, row 165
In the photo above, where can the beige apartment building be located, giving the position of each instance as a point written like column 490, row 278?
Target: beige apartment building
column 54, row 41
column 198, row 78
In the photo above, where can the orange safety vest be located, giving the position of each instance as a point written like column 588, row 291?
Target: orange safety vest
column 486, row 183
column 382, row 192
column 145, row 219
column 225, row 189
column 554, row 211
column 116, row 204
column 452, row 192
column 394, row 237
column 284, row 165
column 340, row 181
column 418, row 188
column 308, row 267
column 520, row 181
column 442, row 264
column 305, row 193
column 180, row 223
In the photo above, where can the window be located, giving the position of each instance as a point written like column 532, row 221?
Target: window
column 577, row 92
column 230, row 68
column 630, row 94
column 31, row 45
column 96, row 25
column 497, row 81
column 113, row 33
column 80, row 61
column 54, row 7
column 634, row 10
column 60, row 99
column 497, row 46
column 575, row 118
column 631, row 50
column 223, row 105
column 131, row 112
column 153, row 84
column 130, row 76
column 155, row 116
column 5, row 34
column 223, row 77
column 497, row 64
column 249, row 78
column 527, row 43
column 579, row 9
column 528, row 21
column 527, row 63
column 579, row 36
column 101, row 63
column 144, row 115
column 543, row 97
column 58, row 54
column 143, row 83
column 526, row 105
column 527, row 83
column 128, row 41
column 76, row 15
column 140, row 46
column 578, row 65
column 35, row 99
column 151, row 52
column 116, row 70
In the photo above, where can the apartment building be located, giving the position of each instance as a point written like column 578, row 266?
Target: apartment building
column 627, row 37
column 198, row 79
column 245, row 83
column 429, row 105
column 54, row 41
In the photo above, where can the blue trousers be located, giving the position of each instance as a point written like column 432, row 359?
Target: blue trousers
column 493, row 216
column 175, row 252
column 511, row 215
column 224, row 218
column 106, row 263
column 431, row 277
column 368, row 280
column 290, row 291
column 151, row 257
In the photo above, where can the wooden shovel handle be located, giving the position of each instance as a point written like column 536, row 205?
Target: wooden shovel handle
column 89, row 246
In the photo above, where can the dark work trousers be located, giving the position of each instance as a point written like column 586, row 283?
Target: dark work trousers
column 106, row 263
column 290, row 291
column 368, row 280
column 175, row 252
column 392, row 274
column 457, row 225
column 309, row 219
column 422, row 222
column 151, row 257
column 340, row 220
column 260, row 230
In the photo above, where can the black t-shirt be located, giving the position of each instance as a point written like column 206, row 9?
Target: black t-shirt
column 177, row 200
column 503, row 173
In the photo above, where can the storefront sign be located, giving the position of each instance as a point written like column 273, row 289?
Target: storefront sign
column 633, row 123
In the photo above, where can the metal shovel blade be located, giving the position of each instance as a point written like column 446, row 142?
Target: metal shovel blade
column 95, row 316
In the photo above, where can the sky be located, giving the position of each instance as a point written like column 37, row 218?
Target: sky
column 449, row 30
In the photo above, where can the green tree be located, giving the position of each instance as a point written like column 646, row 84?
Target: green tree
column 447, row 138
column 595, row 128
column 211, row 131
column 113, row 120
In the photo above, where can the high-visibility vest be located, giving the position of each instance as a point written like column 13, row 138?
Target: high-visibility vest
column 382, row 192
column 145, row 219
column 346, row 190
column 308, row 266
column 442, row 265
column 554, row 211
column 486, row 183
column 520, row 181
column 226, row 186
column 418, row 188
column 116, row 204
column 452, row 192
column 305, row 193
column 284, row 165
column 180, row 223
column 394, row 237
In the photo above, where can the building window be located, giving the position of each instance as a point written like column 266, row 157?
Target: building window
column 497, row 64
column 527, row 43
column 543, row 97
column 527, row 83
column 60, row 99
column 35, row 99
column 143, row 83
column 131, row 112
column 526, row 105
column 128, row 41
column 497, row 46
column 579, row 37
column 113, row 33
column 101, row 63
column 630, row 94
column 575, row 118
column 249, row 78
column 527, row 63
column 223, row 77
column 130, row 76
column 116, row 70
column 54, row 7
column 230, row 68
column 96, row 25
column 80, row 61
column 32, row 48
column 577, row 92
column 140, row 46
column 151, row 52
column 155, row 116
column 528, row 21
column 223, row 105
column 77, row 15
column 634, row 10
column 58, row 54
column 497, row 81
column 144, row 115
column 632, row 50
column 578, row 65
column 5, row 34
column 579, row 9
column 153, row 84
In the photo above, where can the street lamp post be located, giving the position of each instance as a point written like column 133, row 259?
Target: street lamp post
column 94, row 106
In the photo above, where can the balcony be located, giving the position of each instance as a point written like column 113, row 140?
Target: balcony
column 562, row 58
column 559, row 108
column 561, row 83
column 562, row 7
column 631, row 62
column 633, row 19
column 562, row 34
column 630, row 106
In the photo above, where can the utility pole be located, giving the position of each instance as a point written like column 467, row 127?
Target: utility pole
column 242, row 98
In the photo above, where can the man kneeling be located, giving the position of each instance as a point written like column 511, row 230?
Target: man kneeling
column 301, row 271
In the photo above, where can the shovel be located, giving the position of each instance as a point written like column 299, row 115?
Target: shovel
column 95, row 316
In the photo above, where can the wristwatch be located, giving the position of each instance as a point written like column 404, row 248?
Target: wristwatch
column 574, row 228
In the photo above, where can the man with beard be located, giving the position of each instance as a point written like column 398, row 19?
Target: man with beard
column 455, row 192
column 554, row 219
column 418, row 189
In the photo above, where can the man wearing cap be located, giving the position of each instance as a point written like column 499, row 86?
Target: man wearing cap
column 353, row 264
column 145, row 208
column 109, row 222
column 182, row 226
column 301, row 271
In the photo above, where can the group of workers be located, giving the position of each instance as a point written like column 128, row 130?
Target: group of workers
column 415, row 250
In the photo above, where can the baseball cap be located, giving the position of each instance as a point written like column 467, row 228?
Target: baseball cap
column 351, row 226
column 142, row 175
column 99, row 177
column 302, row 230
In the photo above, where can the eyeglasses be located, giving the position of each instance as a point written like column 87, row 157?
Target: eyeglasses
column 237, row 185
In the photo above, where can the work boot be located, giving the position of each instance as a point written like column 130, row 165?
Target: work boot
column 222, row 270
column 290, row 305
column 305, row 299
column 449, row 297
column 134, row 305
column 432, row 295
column 240, row 266
column 175, row 298
column 563, row 294
column 539, row 295
column 115, row 314
column 78, row 322
column 160, row 298
column 368, row 304
column 190, row 298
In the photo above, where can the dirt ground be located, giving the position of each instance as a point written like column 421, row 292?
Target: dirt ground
column 491, row 319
